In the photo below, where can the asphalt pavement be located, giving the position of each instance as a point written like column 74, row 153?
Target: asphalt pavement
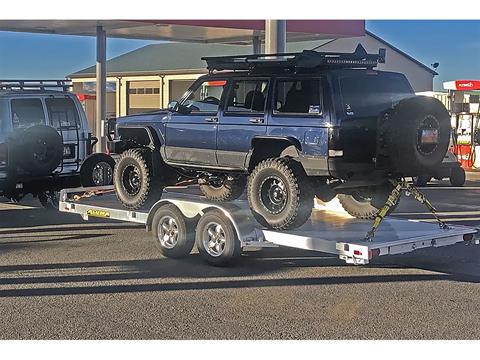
column 63, row 278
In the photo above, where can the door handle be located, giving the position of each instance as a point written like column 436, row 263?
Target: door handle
column 211, row 119
column 256, row 120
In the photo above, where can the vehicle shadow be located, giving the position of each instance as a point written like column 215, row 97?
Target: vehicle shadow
column 31, row 217
column 196, row 275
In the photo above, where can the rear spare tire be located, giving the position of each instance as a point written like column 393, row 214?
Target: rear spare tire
column 134, row 184
column 280, row 194
column 417, row 133
column 230, row 188
column 37, row 150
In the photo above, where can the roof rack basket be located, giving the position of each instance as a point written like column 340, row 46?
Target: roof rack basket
column 63, row 85
column 306, row 60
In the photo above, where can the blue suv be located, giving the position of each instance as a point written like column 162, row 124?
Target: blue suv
column 284, row 128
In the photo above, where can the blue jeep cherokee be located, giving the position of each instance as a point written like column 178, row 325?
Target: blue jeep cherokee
column 286, row 128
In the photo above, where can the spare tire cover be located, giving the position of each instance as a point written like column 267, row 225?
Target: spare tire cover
column 417, row 135
column 37, row 150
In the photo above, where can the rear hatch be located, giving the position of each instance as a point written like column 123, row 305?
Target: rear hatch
column 365, row 95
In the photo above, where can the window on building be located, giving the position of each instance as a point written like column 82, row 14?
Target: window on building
column 27, row 112
column 299, row 96
column 143, row 96
column 247, row 96
column 206, row 96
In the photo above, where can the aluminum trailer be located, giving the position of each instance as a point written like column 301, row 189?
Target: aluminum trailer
column 222, row 231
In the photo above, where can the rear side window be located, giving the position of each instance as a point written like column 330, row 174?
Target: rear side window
column 62, row 112
column 247, row 96
column 300, row 96
column 371, row 93
column 27, row 112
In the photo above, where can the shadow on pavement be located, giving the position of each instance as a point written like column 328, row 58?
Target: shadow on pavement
column 199, row 276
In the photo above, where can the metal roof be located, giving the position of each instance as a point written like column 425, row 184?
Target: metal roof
column 176, row 58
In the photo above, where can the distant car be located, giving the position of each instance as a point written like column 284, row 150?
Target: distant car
column 285, row 129
column 450, row 169
column 45, row 142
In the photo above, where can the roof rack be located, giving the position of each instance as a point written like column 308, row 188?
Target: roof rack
column 63, row 85
column 306, row 60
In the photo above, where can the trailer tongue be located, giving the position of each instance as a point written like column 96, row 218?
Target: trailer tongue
column 223, row 230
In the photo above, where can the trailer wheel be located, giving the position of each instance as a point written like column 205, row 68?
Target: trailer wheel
column 216, row 239
column 457, row 176
column 172, row 232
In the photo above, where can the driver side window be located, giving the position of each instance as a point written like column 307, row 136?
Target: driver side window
column 206, row 96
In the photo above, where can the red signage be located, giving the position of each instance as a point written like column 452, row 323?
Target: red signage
column 467, row 84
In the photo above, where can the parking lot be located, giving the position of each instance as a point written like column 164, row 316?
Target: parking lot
column 61, row 277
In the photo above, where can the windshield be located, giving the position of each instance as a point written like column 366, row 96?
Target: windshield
column 372, row 92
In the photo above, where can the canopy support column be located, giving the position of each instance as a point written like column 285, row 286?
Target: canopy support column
column 275, row 36
column 101, row 85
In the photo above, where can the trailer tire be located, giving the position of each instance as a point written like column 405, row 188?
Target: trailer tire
column 216, row 239
column 134, row 184
column 173, row 233
column 280, row 194
column 457, row 176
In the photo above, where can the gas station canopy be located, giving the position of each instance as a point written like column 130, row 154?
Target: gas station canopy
column 219, row 31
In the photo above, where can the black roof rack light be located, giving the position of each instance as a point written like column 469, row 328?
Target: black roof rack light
column 63, row 85
column 308, row 59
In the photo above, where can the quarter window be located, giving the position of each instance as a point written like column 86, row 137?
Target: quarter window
column 247, row 96
column 62, row 112
column 300, row 96
column 27, row 112
column 206, row 96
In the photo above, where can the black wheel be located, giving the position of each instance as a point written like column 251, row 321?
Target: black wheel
column 38, row 150
column 457, row 176
column 216, row 239
column 97, row 170
column 280, row 194
column 174, row 235
column 421, row 180
column 49, row 199
column 417, row 133
column 134, row 184
column 230, row 188
column 365, row 203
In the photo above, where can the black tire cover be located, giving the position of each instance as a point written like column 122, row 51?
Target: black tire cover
column 410, row 154
column 37, row 150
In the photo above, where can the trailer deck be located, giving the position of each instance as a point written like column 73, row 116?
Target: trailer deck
column 326, row 231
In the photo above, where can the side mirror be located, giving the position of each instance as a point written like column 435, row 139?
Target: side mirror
column 175, row 106
column 111, row 128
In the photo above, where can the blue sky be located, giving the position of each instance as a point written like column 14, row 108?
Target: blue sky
column 455, row 44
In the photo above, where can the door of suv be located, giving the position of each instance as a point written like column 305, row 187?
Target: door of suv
column 243, row 118
column 64, row 115
column 192, row 138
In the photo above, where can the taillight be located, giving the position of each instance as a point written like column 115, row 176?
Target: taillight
column 335, row 144
column 3, row 155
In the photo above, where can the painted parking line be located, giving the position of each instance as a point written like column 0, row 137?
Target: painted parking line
column 447, row 220
column 440, row 213
column 11, row 206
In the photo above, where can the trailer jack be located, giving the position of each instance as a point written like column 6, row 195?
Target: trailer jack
column 400, row 186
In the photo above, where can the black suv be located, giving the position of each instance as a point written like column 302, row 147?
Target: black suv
column 286, row 128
